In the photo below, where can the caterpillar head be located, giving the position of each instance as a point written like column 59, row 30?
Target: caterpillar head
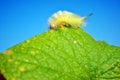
column 66, row 19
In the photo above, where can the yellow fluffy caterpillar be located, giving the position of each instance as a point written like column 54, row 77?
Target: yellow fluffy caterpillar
column 66, row 19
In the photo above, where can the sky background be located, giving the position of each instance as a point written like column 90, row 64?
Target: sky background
column 22, row 19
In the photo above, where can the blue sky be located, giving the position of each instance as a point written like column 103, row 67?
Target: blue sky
column 22, row 19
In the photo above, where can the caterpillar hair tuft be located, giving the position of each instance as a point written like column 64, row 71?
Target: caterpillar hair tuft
column 66, row 19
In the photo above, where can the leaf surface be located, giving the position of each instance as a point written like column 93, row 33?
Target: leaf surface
column 63, row 54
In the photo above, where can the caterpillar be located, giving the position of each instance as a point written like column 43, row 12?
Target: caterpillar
column 66, row 19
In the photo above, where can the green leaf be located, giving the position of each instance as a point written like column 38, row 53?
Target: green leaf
column 63, row 54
